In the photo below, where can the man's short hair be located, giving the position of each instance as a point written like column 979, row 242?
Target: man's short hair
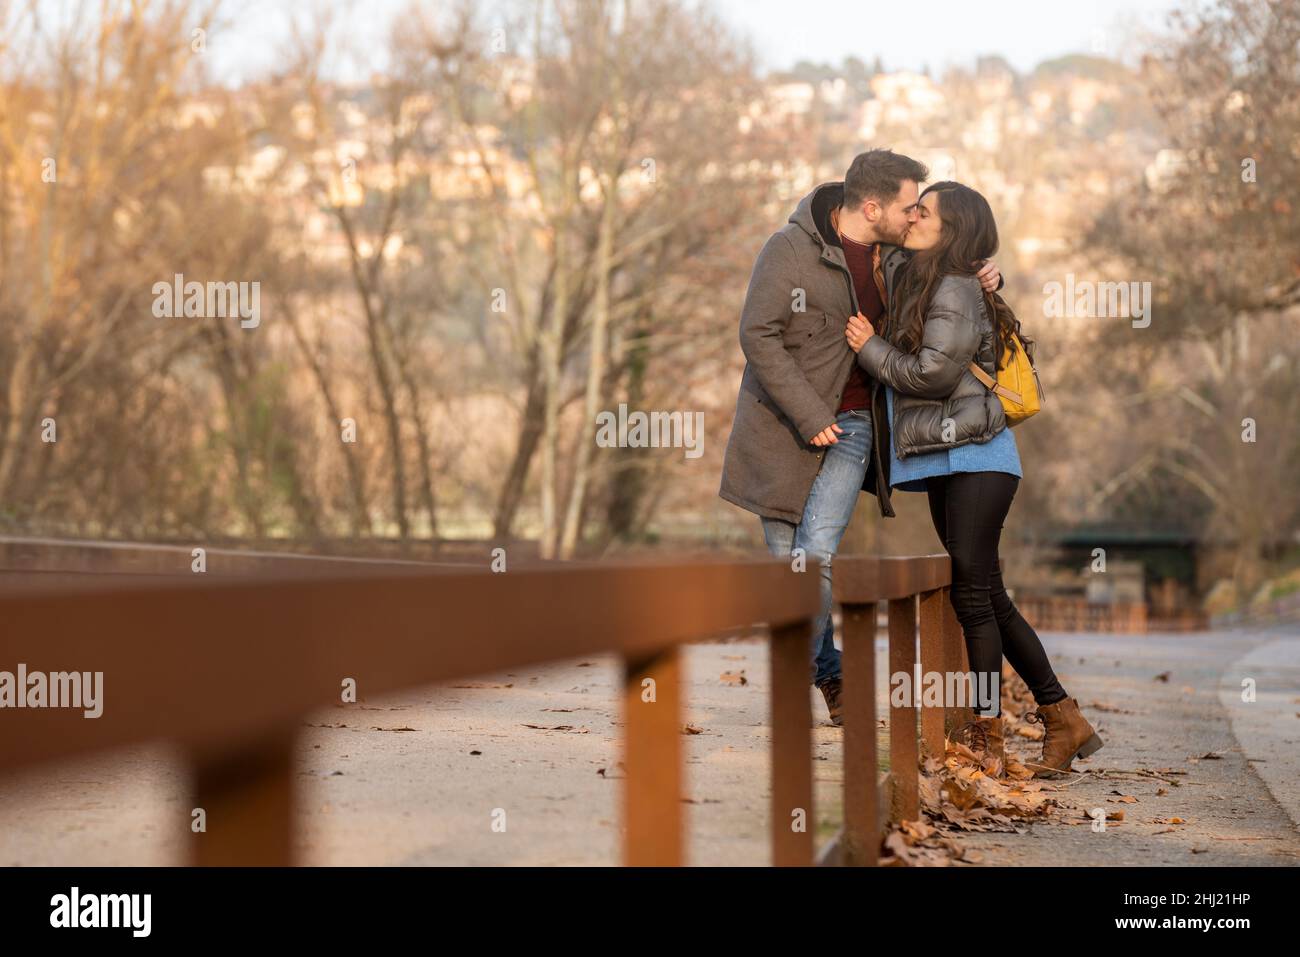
column 879, row 175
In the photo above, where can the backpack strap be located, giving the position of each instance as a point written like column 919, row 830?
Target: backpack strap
column 994, row 386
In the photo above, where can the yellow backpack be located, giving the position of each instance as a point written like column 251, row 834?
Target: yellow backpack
column 1017, row 382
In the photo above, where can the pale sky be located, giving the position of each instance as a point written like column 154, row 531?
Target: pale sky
column 905, row 35
column 910, row 35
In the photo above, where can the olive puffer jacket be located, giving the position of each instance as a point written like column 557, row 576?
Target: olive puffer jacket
column 938, row 403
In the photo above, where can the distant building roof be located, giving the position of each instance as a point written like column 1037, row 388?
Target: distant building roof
column 1124, row 533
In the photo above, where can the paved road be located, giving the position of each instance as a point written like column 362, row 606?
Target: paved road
column 427, row 777
column 1175, row 702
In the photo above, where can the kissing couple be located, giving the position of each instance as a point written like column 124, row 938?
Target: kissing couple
column 867, row 317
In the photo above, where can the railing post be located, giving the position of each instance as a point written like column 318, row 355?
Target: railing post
column 652, row 755
column 246, row 796
column 904, row 803
column 955, row 659
column 933, row 662
column 861, row 784
column 792, row 784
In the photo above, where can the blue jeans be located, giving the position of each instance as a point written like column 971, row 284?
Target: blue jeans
column 826, row 515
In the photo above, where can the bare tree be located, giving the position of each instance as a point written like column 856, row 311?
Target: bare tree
column 1218, row 230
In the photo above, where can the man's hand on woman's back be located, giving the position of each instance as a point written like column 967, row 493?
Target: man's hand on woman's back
column 990, row 276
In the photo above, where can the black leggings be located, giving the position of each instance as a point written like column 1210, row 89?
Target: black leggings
column 968, row 509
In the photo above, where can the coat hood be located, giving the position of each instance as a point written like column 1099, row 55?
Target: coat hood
column 813, row 214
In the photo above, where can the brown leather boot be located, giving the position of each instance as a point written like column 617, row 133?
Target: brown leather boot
column 831, row 692
column 1066, row 735
column 987, row 741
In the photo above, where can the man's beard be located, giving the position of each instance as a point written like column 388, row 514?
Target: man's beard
column 891, row 237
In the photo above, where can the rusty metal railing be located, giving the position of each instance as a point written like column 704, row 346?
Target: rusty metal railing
column 226, row 664
column 916, row 593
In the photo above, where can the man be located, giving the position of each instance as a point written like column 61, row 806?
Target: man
column 810, row 426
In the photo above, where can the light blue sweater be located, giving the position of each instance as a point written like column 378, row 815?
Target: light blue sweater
column 998, row 454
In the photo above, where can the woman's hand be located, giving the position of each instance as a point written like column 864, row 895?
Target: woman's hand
column 858, row 331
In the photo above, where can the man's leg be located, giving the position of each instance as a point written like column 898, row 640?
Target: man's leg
column 826, row 516
column 780, row 538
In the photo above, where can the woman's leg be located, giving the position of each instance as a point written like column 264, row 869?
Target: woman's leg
column 969, row 509
column 1021, row 645
column 963, row 509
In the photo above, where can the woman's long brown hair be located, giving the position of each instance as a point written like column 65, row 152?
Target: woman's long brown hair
column 968, row 235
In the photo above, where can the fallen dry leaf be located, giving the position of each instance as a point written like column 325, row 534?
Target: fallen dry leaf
column 905, row 846
column 558, row 727
column 1107, row 708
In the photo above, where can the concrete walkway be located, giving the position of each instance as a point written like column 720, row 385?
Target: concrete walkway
column 1181, row 746
column 428, row 777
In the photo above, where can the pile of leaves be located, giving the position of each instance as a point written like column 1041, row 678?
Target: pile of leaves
column 964, row 792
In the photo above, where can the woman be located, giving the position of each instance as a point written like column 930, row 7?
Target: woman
column 949, row 437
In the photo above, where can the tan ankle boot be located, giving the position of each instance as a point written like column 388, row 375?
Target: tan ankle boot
column 1066, row 735
column 833, row 692
column 987, row 741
